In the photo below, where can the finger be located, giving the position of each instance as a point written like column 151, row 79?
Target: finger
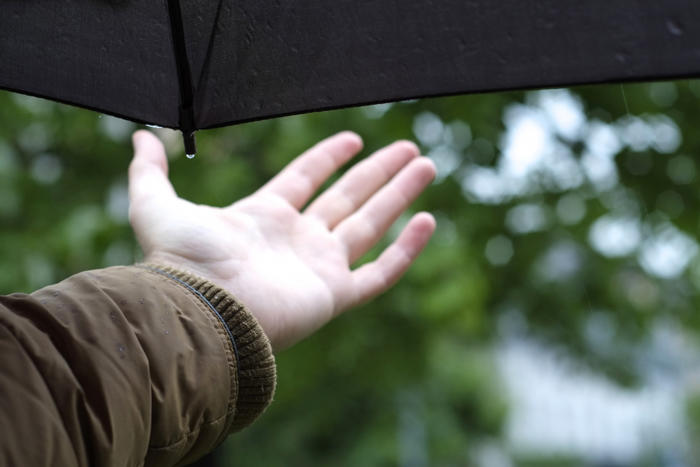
column 148, row 171
column 376, row 277
column 364, row 228
column 301, row 178
column 361, row 182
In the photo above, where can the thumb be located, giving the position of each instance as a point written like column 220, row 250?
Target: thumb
column 148, row 171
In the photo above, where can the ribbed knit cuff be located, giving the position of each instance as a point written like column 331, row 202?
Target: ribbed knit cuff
column 255, row 363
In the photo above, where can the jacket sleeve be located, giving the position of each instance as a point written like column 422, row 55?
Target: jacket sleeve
column 137, row 365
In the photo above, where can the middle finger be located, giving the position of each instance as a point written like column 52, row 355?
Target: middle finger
column 355, row 187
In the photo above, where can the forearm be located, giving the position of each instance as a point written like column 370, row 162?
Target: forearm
column 127, row 365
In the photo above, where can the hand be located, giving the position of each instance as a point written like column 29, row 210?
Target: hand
column 290, row 266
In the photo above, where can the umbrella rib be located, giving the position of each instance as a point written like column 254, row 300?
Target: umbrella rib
column 187, row 121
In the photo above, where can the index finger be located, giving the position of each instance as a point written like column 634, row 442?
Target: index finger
column 299, row 180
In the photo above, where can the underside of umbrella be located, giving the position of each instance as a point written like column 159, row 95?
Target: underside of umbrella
column 201, row 63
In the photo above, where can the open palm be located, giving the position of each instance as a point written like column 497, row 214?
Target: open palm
column 290, row 267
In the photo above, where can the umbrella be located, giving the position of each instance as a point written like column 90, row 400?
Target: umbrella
column 196, row 64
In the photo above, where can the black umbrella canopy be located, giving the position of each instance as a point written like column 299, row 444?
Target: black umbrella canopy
column 195, row 64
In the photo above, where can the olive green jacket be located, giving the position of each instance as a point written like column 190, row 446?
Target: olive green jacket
column 137, row 365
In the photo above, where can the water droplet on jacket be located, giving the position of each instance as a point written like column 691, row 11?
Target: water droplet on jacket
column 674, row 27
column 190, row 156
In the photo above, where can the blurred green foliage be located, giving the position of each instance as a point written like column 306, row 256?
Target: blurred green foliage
column 409, row 379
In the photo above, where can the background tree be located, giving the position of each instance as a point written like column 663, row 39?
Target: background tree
column 567, row 216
